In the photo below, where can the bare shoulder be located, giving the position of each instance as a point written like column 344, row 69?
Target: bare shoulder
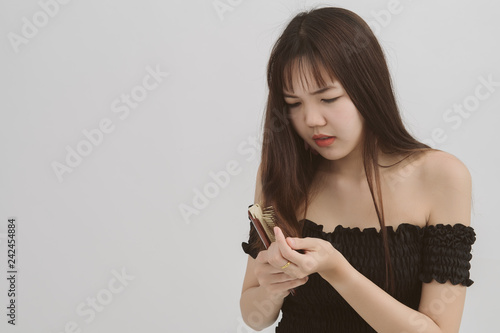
column 447, row 184
column 442, row 168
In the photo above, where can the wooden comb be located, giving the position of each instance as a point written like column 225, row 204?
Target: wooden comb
column 264, row 221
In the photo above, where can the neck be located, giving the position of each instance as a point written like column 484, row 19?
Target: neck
column 349, row 167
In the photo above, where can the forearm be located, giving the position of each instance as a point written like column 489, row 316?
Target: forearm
column 379, row 309
column 259, row 310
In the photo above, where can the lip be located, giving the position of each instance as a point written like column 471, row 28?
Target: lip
column 319, row 136
column 323, row 142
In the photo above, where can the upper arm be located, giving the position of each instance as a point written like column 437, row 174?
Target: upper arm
column 250, row 280
column 448, row 185
column 448, row 188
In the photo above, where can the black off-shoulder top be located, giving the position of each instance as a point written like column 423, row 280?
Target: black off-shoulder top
column 418, row 254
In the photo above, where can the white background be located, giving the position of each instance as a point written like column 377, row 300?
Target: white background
column 119, row 208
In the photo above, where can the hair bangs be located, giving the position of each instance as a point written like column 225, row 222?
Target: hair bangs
column 308, row 63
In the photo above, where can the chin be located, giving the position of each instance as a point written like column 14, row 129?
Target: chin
column 333, row 156
column 336, row 154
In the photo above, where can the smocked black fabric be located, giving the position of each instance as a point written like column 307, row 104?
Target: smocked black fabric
column 440, row 252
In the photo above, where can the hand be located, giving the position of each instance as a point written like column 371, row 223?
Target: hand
column 319, row 255
column 270, row 274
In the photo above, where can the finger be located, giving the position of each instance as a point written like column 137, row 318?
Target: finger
column 281, row 241
column 302, row 243
column 286, row 251
column 294, row 283
column 275, row 270
column 262, row 257
column 274, row 256
column 280, row 277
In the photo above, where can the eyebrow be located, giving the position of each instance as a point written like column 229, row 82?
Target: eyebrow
column 313, row 93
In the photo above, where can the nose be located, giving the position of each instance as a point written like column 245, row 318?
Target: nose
column 313, row 117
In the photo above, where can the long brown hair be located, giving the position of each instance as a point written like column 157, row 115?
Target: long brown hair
column 339, row 41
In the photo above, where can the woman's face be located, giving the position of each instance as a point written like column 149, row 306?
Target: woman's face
column 326, row 111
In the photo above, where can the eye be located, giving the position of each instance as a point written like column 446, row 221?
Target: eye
column 331, row 100
column 292, row 105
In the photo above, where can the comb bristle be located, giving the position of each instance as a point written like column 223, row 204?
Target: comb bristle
column 268, row 215
column 269, row 219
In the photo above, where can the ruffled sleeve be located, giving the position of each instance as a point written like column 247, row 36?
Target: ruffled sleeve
column 251, row 240
column 446, row 253
column 246, row 246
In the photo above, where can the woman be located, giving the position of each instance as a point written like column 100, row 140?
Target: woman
column 383, row 220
